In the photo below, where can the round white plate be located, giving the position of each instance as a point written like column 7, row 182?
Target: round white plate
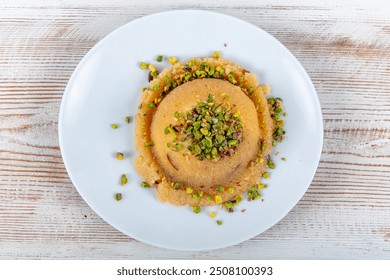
column 105, row 88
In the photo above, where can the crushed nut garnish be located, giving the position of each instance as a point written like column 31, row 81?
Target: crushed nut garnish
column 143, row 65
column 119, row 156
column 214, row 132
column 118, row 196
column 159, row 58
column 172, row 60
column 124, row 180
column 149, row 144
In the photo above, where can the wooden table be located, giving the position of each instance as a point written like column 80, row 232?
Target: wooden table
column 345, row 214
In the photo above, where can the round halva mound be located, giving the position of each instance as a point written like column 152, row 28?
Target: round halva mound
column 184, row 167
column 181, row 178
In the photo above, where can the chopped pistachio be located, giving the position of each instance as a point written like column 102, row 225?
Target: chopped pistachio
column 204, row 131
column 236, row 200
column 152, row 68
column 128, row 119
column 253, row 193
column 143, row 65
column 177, row 186
column 114, row 126
column 156, row 87
column 212, row 215
column 159, row 58
column 119, row 156
column 216, row 54
column 149, row 144
column 218, row 199
column 118, row 196
column 179, row 147
column 152, row 75
column 232, row 143
column 270, row 164
column 211, row 71
column 196, row 209
column 277, row 113
column 169, row 129
column 220, row 189
column 195, row 196
column 231, row 78
column 172, row 60
column 192, row 62
column 203, row 65
column 123, row 180
column 213, row 131
column 228, row 204
column 266, row 175
column 219, row 222
column 263, row 144
column 271, row 101
column 278, row 134
column 283, row 158
column 145, row 185
column 278, row 110
column 151, row 105
column 260, row 186
column 189, row 190
column 231, row 190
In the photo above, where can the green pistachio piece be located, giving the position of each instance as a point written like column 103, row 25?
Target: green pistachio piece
column 124, row 180
column 149, row 144
column 159, row 58
column 118, row 196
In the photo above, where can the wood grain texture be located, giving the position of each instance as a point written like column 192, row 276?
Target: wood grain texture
column 345, row 49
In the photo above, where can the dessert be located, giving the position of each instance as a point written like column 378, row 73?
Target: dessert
column 204, row 132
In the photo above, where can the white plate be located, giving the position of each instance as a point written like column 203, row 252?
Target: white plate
column 105, row 87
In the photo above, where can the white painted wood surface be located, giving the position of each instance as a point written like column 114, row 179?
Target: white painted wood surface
column 344, row 46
